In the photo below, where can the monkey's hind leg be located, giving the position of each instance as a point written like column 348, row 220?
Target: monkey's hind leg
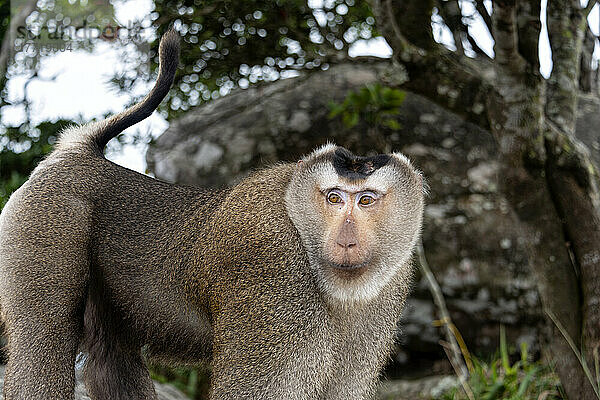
column 42, row 304
column 114, row 368
column 44, row 272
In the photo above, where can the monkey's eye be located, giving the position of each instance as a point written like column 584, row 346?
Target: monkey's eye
column 334, row 198
column 366, row 200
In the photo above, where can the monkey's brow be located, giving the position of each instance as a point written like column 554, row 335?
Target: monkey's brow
column 355, row 189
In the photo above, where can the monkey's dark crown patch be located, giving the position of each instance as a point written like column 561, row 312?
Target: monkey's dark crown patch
column 350, row 166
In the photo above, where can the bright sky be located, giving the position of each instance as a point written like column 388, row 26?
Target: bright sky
column 82, row 88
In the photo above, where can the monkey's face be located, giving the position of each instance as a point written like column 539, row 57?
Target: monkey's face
column 348, row 215
column 358, row 218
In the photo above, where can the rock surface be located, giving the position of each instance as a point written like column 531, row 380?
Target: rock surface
column 432, row 387
column 469, row 233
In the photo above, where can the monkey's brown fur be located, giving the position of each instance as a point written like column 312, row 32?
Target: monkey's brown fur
column 100, row 259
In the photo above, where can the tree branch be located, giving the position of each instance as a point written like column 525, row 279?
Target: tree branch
column 447, row 78
column 452, row 15
column 529, row 26
column 573, row 181
column 588, row 7
column 16, row 21
column 506, row 37
column 478, row 50
column 566, row 29
column 586, row 76
column 450, row 12
column 452, row 81
column 387, row 24
column 414, row 19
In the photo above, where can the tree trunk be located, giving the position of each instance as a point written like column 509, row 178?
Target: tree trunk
column 549, row 179
column 573, row 184
column 545, row 199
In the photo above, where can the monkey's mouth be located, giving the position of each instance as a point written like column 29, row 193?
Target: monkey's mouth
column 348, row 267
column 348, row 271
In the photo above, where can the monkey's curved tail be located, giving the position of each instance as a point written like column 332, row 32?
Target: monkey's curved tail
column 168, row 52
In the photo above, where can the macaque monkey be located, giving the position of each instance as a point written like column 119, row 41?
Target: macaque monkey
column 290, row 284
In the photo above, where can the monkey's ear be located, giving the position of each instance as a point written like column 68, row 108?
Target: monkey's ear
column 300, row 162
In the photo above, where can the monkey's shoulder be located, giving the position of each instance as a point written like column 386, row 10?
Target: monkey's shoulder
column 269, row 179
column 262, row 192
column 253, row 213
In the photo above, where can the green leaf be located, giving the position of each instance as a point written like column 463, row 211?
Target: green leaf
column 504, row 350
column 351, row 119
column 495, row 391
column 526, row 382
column 392, row 124
column 335, row 109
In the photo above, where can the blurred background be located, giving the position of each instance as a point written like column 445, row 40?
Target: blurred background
column 495, row 101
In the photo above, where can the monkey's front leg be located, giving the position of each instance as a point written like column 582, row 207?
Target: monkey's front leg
column 268, row 379
column 356, row 375
column 361, row 354
column 360, row 385
column 275, row 365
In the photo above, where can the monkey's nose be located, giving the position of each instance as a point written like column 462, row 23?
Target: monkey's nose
column 346, row 244
column 347, row 237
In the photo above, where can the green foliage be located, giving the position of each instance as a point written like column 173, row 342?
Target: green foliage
column 22, row 149
column 4, row 17
column 226, row 43
column 191, row 381
column 374, row 104
column 230, row 44
column 501, row 380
